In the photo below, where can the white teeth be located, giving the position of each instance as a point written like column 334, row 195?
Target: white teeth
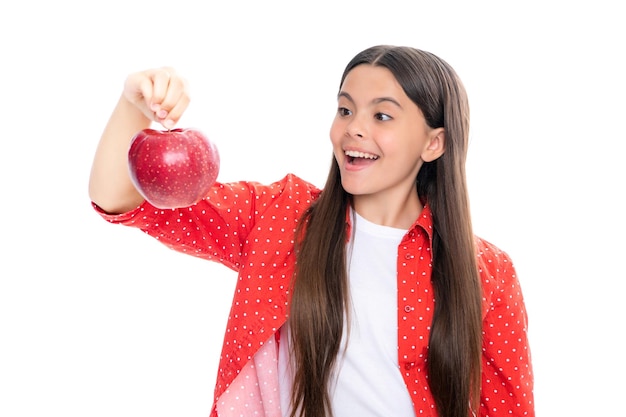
column 356, row 154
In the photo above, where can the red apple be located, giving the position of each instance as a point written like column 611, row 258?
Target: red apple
column 173, row 168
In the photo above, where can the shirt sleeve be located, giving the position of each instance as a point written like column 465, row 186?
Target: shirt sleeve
column 507, row 376
column 217, row 227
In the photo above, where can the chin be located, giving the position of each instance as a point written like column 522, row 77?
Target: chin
column 354, row 189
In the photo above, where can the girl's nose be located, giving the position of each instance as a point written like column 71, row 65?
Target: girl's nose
column 355, row 129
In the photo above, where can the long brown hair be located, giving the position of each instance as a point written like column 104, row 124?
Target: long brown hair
column 320, row 286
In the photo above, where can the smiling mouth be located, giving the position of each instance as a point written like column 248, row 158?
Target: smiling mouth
column 356, row 157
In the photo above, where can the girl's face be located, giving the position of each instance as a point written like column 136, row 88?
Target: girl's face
column 380, row 137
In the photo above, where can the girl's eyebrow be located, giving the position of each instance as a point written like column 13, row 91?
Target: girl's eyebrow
column 345, row 95
column 375, row 101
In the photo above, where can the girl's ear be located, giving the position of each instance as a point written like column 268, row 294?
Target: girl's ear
column 436, row 145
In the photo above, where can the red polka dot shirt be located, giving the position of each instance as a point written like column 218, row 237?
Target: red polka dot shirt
column 249, row 227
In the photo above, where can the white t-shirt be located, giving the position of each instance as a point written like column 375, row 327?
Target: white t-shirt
column 368, row 381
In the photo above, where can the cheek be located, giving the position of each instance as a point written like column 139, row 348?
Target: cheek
column 403, row 149
column 336, row 133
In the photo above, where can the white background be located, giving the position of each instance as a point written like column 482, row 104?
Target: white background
column 100, row 320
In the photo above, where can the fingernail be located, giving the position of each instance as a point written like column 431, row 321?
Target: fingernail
column 161, row 114
column 168, row 123
column 154, row 107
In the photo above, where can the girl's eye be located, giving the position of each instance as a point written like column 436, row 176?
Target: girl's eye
column 382, row 117
column 343, row 111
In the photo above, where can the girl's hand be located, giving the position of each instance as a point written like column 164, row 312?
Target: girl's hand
column 160, row 93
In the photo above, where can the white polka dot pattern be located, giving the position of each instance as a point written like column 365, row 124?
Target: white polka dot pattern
column 249, row 227
column 416, row 303
column 507, row 377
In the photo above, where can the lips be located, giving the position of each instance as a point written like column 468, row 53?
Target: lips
column 359, row 158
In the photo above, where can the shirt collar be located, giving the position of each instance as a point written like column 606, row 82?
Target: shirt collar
column 424, row 221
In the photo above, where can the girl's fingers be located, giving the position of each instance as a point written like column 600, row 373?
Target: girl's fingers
column 161, row 78
column 175, row 113
column 175, row 102
column 160, row 93
column 169, row 97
